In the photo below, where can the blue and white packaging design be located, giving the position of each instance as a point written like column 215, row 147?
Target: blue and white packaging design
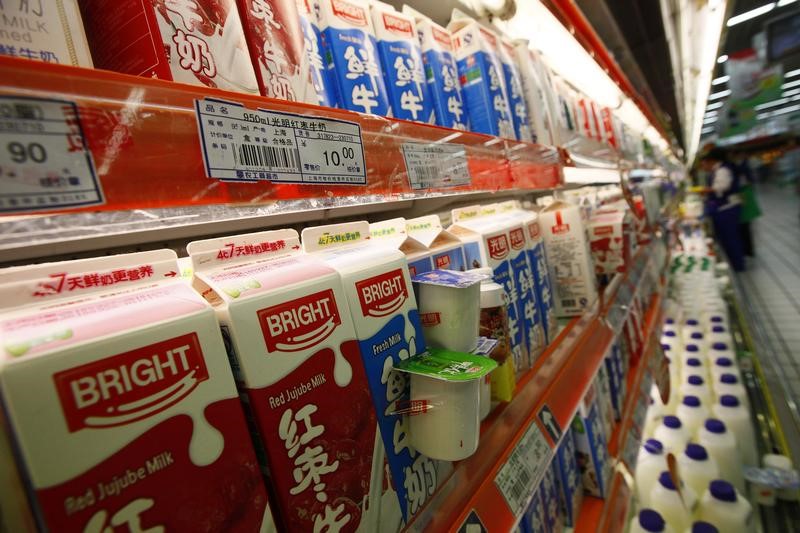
column 517, row 106
column 569, row 478
column 481, row 76
column 550, row 491
column 352, row 54
column 602, row 383
column 535, row 520
column 444, row 248
column 591, row 447
column 322, row 78
column 441, row 73
column 394, row 234
column 401, row 59
column 614, row 385
column 535, row 90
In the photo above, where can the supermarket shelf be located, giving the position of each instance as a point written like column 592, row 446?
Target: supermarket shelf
column 559, row 381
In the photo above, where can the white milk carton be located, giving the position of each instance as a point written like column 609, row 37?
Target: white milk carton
column 591, row 446
column 441, row 73
column 444, row 248
column 517, row 106
column 387, row 324
column 394, row 234
column 568, row 258
column 322, row 78
column 119, row 402
column 481, row 74
column 569, row 478
column 290, row 338
column 403, row 69
column 487, row 244
column 352, row 54
column 533, row 88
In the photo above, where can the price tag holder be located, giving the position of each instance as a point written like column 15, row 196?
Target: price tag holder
column 525, row 466
column 436, row 166
column 240, row 144
column 44, row 161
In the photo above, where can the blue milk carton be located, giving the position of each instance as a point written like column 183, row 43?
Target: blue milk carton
column 535, row 520
column 352, row 55
column 441, row 73
column 550, row 490
column 401, row 58
column 591, row 447
column 516, row 98
column 322, row 79
column 481, row 76
column 534, row 88
column 569, row 478
column 444, row 248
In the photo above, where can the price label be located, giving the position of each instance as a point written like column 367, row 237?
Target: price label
column 516, row 479
column 44, row 162
column 241, row 144
column 436, row 166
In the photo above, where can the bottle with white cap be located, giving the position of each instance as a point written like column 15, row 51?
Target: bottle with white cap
column 697, row 468
column 724, row 365
column 665, row 499
column 672, row 434
column 730, row 384
column 692, row 413
column 649, row 464
column 721, row 445
column 737, row 419
column 690, row 326
column 694, row 366
column 649, row 521
column 724, row 507
column 720, row 334
column 702, row 527
column 696, row 386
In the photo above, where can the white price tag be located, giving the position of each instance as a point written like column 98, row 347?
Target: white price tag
column 517, row 477
column 435, row 166
column 44, row 162
column 240, row 144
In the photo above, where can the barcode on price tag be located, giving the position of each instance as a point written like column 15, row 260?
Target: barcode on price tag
column 436, row 166
column 516, row 478
column 44, row 161
column 241, row 144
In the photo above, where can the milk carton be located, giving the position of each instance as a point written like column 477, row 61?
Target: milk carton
column 351, row 53
column 322, row 78
column 569, row 478
column 514, row 94
column 387, row 324
column 277, row 45
column 568, row 258
column 486, row 243
column 533, row 88
column 394, row 234
column 45, row 31
column 444, row 248
column 611, row 239
column 605, row 407
column 481, row 75
column 401, row 59
column 119, row 402
column 184, row 41
column 591, row 446
column 550, row 491
column 535, row 520
column 291, row 342
column 441, row 73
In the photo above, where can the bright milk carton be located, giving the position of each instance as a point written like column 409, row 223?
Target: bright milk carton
column 394, row 234
column 291, row 342
column 535, row 93
column 481, row 75
column 517, row 106
column 611, row 239
column 444, row 248
column 388, row 327
column 441, row 73
column 591, row 446
column 351, row 53
column 277, row 47
column 487, row 243
column 119, row 403
column 403, row 70
column 568, row 258
column 322, row 79
column 200, row 43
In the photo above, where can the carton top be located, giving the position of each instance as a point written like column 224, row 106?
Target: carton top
column 214, row 253
column 470, row 37
column 348, row 246
column 429, row 231
column 393, row 234
column 391, row 24
column 346, row 14
column 432, row 36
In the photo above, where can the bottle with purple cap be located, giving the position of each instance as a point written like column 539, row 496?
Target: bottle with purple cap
column 723, row 364
column 690, row 327
column 736, row 417
column 692, row 412
column 697, row 386
column 697, row 468
column 702, row 527
column 730, row 384
column 720, row 444
column 650, row 462
column 664, row 499
column 719, row 333
column 694, row 366
column 725, row 508
column 672, row 434
column 649, row 521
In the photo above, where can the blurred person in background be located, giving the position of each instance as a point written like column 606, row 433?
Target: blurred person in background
column 723, row 203
column 750, row 207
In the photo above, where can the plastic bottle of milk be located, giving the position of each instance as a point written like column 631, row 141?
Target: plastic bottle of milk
column 721, row 349
column 689, row 351
column 655, row 413
column 736, row 417
column 690, row 326
column 649, row 464
column 672, row 434
column 697, row 468
column 702, row 527
column 714, row 317
column 648, row 521
column 694, row 366
column 729, row 384
column 724, row 507
column 719, row 334
column 669, row 325
column 696, row 386
column 671, row 339
column 665, row 499
column 721, row 445
column 698, row 339
column 724, row 365
column 692, row 413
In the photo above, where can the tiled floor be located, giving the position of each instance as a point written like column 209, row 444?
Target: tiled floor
column 771, row 288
